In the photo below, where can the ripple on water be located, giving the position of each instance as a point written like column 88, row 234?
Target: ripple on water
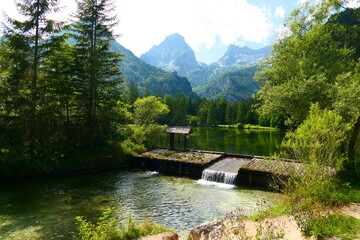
column 37, row 210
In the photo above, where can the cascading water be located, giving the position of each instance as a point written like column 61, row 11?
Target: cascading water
column 222, row 173
column 218, row 176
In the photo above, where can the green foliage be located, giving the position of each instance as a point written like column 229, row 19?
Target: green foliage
column 178, row 106
column 148, row 78
column 231, row 113
column 97, row 68
column 235, row 225
column 144, row 137
column 193, row 120
column 56, row 99
column 341, row 226
column 133, row 92
column 314, row 219
column 107, row 227
column 318, row 138
column 148, row 110
column 305, row 68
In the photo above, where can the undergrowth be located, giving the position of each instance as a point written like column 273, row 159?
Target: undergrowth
column 108, row 227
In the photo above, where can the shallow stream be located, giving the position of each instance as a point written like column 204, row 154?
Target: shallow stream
column 46, row 209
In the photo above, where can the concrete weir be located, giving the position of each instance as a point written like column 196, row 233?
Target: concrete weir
column 219, row 167
column 224, row 171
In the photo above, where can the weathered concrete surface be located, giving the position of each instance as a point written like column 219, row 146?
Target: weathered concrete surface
column 162, row 236
column 230, row 165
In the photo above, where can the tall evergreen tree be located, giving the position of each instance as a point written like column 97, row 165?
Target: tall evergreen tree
column 26, row 45
column 241, row 112
column 133, row 92
column 98, row 68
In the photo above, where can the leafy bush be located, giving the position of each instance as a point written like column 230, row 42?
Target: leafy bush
column 144, row 137
column 105, row 228
column 108, row 228
column 314, row 219
column 318, row 138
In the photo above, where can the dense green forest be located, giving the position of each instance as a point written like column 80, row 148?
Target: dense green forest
column 57, row 98
column 63, row 94
column 61, row 100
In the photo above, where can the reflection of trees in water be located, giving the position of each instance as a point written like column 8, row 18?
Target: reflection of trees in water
column 253, row 142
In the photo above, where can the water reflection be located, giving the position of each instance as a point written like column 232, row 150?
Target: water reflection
column 240, row 141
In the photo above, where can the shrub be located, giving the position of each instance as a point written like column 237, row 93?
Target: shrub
column 144, row 137
column 314, row 219
column 318, row 138
column 107, row 228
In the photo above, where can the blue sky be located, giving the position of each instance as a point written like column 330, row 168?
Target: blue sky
column 209, row 26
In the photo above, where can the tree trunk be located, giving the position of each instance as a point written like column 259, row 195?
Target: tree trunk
column 34, row 81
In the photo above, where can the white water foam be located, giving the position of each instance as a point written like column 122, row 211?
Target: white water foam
column 215, row 184
column 152, row 172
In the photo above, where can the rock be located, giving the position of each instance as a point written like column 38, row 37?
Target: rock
column 207, row 231
column 162, row 236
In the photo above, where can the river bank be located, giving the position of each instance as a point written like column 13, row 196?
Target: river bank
column 284, row 227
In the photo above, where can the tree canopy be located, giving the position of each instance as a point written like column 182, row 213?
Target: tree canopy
column 317, row 62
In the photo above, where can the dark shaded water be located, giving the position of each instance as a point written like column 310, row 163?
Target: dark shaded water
column 45, row 209
column 240, row 141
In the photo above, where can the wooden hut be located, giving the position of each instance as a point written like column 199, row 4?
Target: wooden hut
column 185, row 131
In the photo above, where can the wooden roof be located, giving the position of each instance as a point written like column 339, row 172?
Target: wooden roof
column 180, row 130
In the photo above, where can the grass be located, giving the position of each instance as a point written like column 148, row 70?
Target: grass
column 334, row 225
column 181, row 156
column 248, row 126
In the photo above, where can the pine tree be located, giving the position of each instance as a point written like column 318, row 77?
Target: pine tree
column 241, row 112
column 26, row 44
column 133, row 92
column 98, row 68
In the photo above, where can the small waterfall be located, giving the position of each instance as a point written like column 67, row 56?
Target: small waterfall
column 218, row 176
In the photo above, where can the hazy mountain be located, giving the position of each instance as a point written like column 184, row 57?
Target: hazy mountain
column 244, row 56
column 233, row 86
column 173, row 54
column 147, row 75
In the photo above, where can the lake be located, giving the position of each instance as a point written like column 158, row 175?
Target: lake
column 45, row 209
column 239, row 141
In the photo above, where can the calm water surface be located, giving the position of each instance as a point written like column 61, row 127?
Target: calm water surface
column 240, row 141
column 45, row 209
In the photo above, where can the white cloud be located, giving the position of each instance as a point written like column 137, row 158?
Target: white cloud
column 353, row 3
column 144, row 23
column 280, row 12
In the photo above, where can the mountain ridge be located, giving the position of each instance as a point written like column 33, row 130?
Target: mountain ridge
column 175, row 55
column 146, row 75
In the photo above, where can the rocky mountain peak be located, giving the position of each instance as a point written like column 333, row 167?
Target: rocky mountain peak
column 173, row 54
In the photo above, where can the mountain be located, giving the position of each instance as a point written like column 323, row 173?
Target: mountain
column 147, row 75
column 173, row 55
column 244, row 56
column 230, row 77
column 233, row 86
